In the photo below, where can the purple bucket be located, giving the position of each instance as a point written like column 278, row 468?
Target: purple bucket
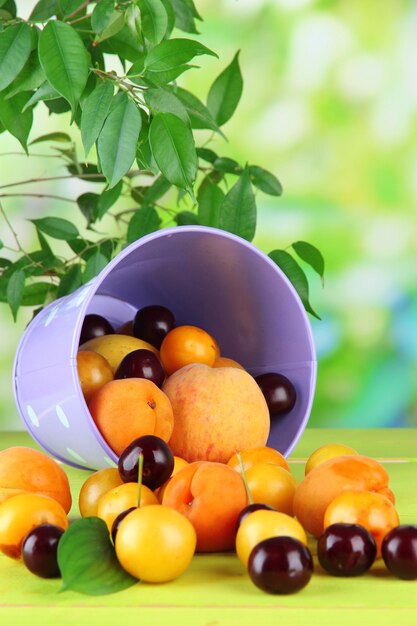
column 208, row 278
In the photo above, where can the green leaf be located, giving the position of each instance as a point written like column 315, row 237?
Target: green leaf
column 67, row 7
column 210, row 198
column 166, row 76
column 125, row 44
column 114, row 26
column 225, row 92
column 108, row 198
column 64, row 60
column 200, row 116
column 154, row 19
column 58, row 105
column 10, row 7
column 184, row 15
column 170, row 16
column 227, row 166
column 172, row 145
column 44, row 92
column 87, row 559
column 102, row 15
column 155, row 191
column 31, row 76
column 14, row 291
column 117, row 141
column 16, row 122
column 143, row 222
column 88, row 203
column 311, row 255
column 57, row 136
column 37, row 293
column 207, row 155
column 174, row 52
column 186, row 218
column 295, row 274
column 56, row 227
column 145, row 158
column 44, row 10
column 94, row 265
column 90, row 170
column 238, row 209
column 95, row 110
column 265, row 181
column 15, row 47
column 162, row 101
column 70, row 281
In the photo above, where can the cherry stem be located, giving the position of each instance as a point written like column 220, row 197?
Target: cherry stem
column 245, row 480
column 140, row 473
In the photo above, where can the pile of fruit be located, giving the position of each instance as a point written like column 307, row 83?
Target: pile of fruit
column 194, row 474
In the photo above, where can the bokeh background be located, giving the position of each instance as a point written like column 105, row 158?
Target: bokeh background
column 329, row 106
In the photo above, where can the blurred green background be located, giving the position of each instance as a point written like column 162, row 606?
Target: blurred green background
column 329, row 106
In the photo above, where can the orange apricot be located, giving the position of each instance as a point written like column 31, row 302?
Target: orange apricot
column 179, row 463
column 328, row 480
column 23, row 512
column 126, row 409
column 187, row 344
column 223, row 361
column 211, row 495
column 260, row 454
column 372, row 510
column 24, row 469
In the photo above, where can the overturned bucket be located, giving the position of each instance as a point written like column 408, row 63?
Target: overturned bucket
column 208, row 278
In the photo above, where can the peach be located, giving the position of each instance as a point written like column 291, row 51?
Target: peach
column 217, row 411
column 331, row 478
column 115, row 347
column 211, row 496
column 24, row 469
column 126, row 409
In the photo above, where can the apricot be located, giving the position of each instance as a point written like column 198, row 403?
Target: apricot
column 254, row 456
column 24, row 469
column 23, row 512
column 331, row 478
column 121, row 498
column 96, row 485
column 126, row 409
column 216, row 412
column 272, row 485
column 115, row 347
column 211, row 496
column 261, row 525
column 187, row 344
column 93, row 371
column 372, row 510
column 326, row 452
column 178, row 465
column 223, row 361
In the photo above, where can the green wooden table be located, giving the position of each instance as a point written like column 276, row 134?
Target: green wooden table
column 215, row 591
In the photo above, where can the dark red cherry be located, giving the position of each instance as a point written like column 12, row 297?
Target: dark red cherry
column 346, row 549
column 158, row 461
column 399, row 551
column 255, row 506
column 118, row 520
column 95, row 326
column 141, row 364
column 152, row 323
column 280, row 565
column 39, row 550
column 279, row 392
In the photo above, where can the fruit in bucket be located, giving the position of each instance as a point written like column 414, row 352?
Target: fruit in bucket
column 152, row 323
column 115, row 347
column 217, row 411
column 187, row 344
column 126, row 409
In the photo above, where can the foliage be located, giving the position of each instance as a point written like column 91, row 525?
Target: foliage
column 145, row 128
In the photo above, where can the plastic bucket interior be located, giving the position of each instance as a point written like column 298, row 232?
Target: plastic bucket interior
column 208, row 278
